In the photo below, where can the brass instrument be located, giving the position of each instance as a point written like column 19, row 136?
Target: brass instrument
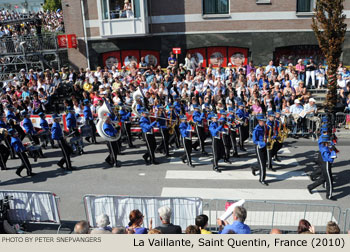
column 270, row 142
column 283, row 134
column 172, row 125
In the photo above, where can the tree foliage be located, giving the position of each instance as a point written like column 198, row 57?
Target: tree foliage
column 330, row 28
column 52, row 5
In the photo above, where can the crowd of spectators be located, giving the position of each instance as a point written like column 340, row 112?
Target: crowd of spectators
column 200, row 225
column 261, row 89
column 15, row 24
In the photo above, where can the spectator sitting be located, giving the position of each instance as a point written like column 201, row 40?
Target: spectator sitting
column 275, row 231
column 202, row 223
column 192, row 229
column 82, row 227
column 136, row 221
column 166, row 227
column 102, row 222
column 332, row 228
column 239, row 215
column 305, row 227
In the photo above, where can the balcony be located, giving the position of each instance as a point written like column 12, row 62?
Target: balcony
column 115, row 21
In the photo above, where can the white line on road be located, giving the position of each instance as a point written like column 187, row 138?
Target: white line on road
column 238, row 193
column 234, row 175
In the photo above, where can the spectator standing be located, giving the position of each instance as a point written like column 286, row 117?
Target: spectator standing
column 300, row 69
column 310, row 73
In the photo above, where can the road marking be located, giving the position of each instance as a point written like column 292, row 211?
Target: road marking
column 235, row 161
column 278, row 218
column 142, row 174
column 238, row 193
column 281, row 151
column 234, row 175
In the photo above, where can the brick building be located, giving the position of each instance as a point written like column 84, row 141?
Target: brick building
column 214, row 30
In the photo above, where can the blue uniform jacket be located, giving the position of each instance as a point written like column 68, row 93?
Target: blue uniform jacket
column 214, row 129
column 11, row 115
column 185, row 129
column 146, row 125
column 110, row 130
column 44, row 124
column 4, row 125
column 259, row 136
column 198, row 117
column 87, row 113
column 242, row 114
column 17, row 145
column 161, row 123
column 28, row 126
column 71, row 121
column 177, row 107
column 124, row 116
column 56, row 131
column 327, row 155
column 138, row 108
column 271, row 126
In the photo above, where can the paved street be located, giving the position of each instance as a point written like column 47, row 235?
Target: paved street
column 172, row 178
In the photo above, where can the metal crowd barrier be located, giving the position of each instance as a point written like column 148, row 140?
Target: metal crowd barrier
column 262, row 216
column 28, row 44
column 347, row 221
column 118, row 208
column 340, row 119
column 33, row 207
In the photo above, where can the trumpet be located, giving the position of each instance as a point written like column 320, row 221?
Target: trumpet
column 158, row 117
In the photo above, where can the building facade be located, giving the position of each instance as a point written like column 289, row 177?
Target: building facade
column 215, row 31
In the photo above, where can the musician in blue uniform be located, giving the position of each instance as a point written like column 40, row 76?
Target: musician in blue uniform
column 278, row 129
column 72, row 125
column 45, row 135
column 31, row 132
column 125, row 120
column 111, row 131
column 218, row 148
column 226, row 137
column 89, row 120
column 4, row 151
column 271, row 131
column 17, row 145
column 243, row 128
column 259, row 139
column 14, row 121
column 318, row 170
column 147, row 130
column 7, row 138
column 328, row 155
column 57, row 134
column 231, row 118
column 163, row 128
column 174, row 138
column 177, row 105
column 198, row 118
column 186, row 131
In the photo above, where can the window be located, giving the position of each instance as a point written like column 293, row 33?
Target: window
column 215, row 7
column 114, row 9
column 306, row 5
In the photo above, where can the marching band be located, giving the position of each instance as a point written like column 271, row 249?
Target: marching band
column 175, row 125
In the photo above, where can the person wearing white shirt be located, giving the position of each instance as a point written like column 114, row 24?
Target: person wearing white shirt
column 295, row 82
column 296, row 110
column 310, row 110
column 340, row 82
